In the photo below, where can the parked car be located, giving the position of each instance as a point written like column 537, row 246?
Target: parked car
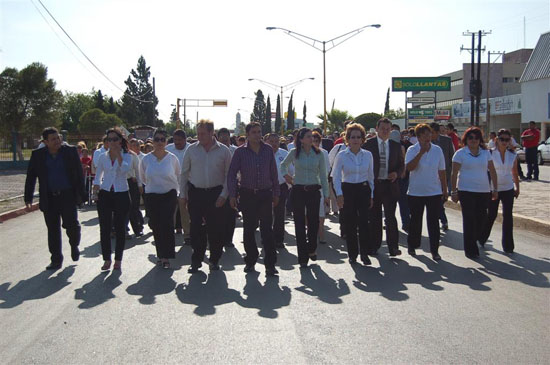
column 543, row 152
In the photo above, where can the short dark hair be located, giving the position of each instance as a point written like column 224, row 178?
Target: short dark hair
column 476, row 131
column 435, row 126
column 422, row 128
column 47, row 131
column 396, row 127
column 222, row 131
column 451, row 126
column 383, row 120
column 533, row 122
column 251, row 125
column 318, row 130
column 160, row 131
column 180, row 133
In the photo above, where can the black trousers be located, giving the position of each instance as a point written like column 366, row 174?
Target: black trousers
column 279, row 215
column 109, row 205
column 531, row 160
column 161, row 208
column 433, row 209
column 305, row 201
column 357, row 199
column 135, row 216
column 383, row 197
column 474, row 218
column 206, row 223
column 61, row 212
column 257, row 207
column 507, row 198
column 229, row 221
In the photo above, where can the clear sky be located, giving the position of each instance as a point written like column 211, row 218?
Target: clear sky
column 209, row 49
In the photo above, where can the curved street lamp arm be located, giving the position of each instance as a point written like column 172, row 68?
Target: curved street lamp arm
column 287, row 86
column 302, row 38
column 276, row 87
column 349, row 35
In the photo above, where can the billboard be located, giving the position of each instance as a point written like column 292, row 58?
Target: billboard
column 421, row 84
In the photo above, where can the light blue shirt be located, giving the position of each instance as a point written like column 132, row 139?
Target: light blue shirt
column 310, row 168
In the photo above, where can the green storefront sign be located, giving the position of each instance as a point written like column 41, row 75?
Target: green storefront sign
column 421, row 83
column 418, row 113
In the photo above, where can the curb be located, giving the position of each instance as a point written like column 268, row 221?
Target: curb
column 520, row 221
column 16, row 213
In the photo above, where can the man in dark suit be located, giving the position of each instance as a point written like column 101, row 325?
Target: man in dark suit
column 446, row 144
column 388, row 165
column 61, row 180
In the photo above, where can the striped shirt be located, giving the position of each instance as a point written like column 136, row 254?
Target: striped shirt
column 258, row 170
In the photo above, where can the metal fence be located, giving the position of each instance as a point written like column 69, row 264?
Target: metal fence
column 9, row 151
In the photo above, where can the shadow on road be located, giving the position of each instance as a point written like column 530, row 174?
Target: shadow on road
column 267, row 298
column 206, row 292
column 38, row 287
column 156, row 282
column 99, row 290
column 317, row 283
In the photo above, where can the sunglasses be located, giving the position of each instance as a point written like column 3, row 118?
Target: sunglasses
column 472, row 136
column 114, row 139
column 159, row 139
column 502, row 139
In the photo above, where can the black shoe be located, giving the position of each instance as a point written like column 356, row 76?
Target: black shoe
column 509, row 252
column 313, row 257
column 372, row 252
column 187, row 241
column 279, row 244
column 342, row 235
column 366, row 261
column 75, row 253
column 482, row 244
column 54, row 266
column 214, row 266
column 271, row 271
column 436, row 257
column 229, row 245
column 394, row 253
column 303, row 266
column 405, row 229
column 249, row 268
column 322, row 242
column 138, row 234
column 193, row 269
column 445, row 227
column 412, row 251
column 352, row 261
column 472, row 257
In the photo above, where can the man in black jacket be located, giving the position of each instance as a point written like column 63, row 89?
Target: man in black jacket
column 388, row 163
column 61, row 189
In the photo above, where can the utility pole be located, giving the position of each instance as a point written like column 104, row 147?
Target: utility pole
column 178, row 113
column 488, row 112
column 475, row 83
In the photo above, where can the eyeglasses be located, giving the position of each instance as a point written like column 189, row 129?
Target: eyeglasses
column 114, row 139
column 502, row 139
column 159, row 139
column 473, row 136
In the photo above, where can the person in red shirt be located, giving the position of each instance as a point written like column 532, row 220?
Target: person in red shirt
column 86, row 161
column 530, row 139
column 454, row 137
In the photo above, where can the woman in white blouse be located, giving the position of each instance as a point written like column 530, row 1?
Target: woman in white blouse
column 113, row 199
column 470, row 166
column 159, row 171
column 427, row 187
column 506, row 166
column 353, row 179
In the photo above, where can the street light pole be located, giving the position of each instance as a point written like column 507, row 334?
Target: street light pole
column 312, row 42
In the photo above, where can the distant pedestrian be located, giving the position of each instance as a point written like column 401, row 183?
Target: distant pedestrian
column 160, row 171
column 61, row 181
column 113, row 203
column 451, row 132
column 530, row 139
column 446, row 145
column 230, row 214
column 505, row 163
column 470, row 166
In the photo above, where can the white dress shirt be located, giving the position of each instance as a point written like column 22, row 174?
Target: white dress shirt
column 133, row 173
column 96, row 155
column 112, row 174
column 159, row 177
column 387, row 150
column 280, row 155
column 505, row 179
column 334, row 151
column 473, row 175
column 424, row 180
column 179, row 153
column 205, row 169
column 353, row 168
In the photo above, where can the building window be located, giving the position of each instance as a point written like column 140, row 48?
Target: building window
column 457, row 82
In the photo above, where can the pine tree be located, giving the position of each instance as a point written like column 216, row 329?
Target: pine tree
column 139, row 103
column 99, row 101
column 111, row 107
column 387, row 106
column 305, row 112
column 258, row 114
column 278, row 121
column 266, row 127
column 290, row 114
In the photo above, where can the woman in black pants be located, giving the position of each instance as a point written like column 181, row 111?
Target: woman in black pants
column 159, row 171
column 113, row 197
column 310, row 176
column 470, row 166
column 506, row 166
column 353, row 179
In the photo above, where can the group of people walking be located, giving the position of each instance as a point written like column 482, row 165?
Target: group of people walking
column 200, row 187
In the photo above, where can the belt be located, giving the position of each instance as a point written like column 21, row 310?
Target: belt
column 364, row 183
column 193, row 187
column 58, row 192
column 307, row 187
column 255, row 191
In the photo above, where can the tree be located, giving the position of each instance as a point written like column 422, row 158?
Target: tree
column 29, row 102
column 99, row 102
column 395, row 114
column 278, row 121
column 368, row 120
column 97, row 122
column 74, row 105
column 112, row 107
column 387, row 106
column 290, row 114
column 336, row 119
column 305, row 112
column 258, row 113
column 266, row 126
column 139, row 103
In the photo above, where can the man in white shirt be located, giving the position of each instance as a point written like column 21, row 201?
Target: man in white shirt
column 204, row 191
column 99, row 152
column 136, row 190
column 182, row 220
column 230, row 214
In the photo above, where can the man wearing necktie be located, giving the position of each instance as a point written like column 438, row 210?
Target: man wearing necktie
column 388, row 166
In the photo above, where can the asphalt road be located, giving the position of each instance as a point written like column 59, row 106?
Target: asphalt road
column 404, row 310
